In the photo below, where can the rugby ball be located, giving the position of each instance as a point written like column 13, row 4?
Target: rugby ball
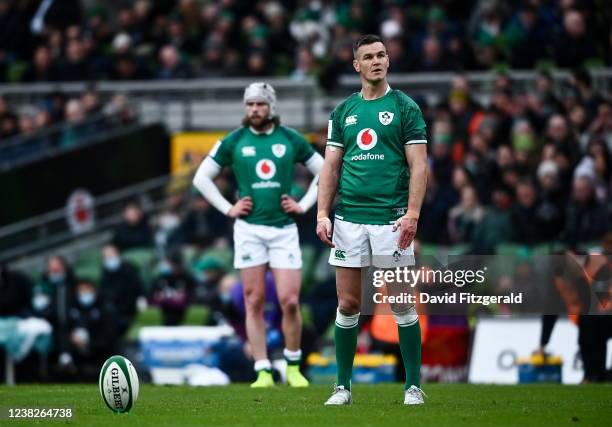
column 119, row 384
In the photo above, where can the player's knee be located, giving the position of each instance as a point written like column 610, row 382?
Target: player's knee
column 407, row 317
column 254, row 302
column 349, row 305
column 290, row 305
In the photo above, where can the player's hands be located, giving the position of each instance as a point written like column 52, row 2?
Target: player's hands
column 290, row 206
column 242, row 208
column 408, row 228
column 324, row 231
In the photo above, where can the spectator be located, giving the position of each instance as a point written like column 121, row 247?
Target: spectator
column 126, row 67
column 432, row 57
column 586, row 219
column 134, row 231
column 76, row 66
column 525, row 224
column 90, row 331
column 172, row 290
column 442, row 164
column 90, row 101
column 58, row 285
column 559, row 135
column 201, row 226
column 602, row 169
column 527, row 37
column 581, row 81
column 550, row 211
column 171, row 66
column 75, row 130
column 257, row 65
column 439, row 199
column 496, row 226
column 465, row 217
column 600, row 128
column 575, row 43
column 120, row 287
column 8, row 120
column 16, row 291
column 42, row 68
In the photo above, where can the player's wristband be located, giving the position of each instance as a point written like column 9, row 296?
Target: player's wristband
column 412, row 215
column 322, row 217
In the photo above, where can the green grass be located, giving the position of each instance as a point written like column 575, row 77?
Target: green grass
column 374, row 405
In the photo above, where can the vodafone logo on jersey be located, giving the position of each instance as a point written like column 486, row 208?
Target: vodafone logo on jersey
column 265, row 169
column 367, row 139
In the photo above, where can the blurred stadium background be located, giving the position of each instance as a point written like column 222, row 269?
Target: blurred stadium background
column 106, row 107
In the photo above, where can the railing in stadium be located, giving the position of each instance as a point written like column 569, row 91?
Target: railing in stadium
column 22, row 149
column 52, row 229
column 214, row 103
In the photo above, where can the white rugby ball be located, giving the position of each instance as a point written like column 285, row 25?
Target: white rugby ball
column 119, row 384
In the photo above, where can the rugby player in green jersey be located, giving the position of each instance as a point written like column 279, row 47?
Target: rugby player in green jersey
column 262, row 154
column 376, row 158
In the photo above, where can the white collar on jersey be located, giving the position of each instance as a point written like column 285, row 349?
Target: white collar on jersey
column 386, row 92
column 265, row 132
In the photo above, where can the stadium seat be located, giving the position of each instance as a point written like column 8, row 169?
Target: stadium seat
column 143, row 259
column 89, row 265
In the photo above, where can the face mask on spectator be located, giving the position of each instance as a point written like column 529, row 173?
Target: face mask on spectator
column 165, row 268
column 201, row 277
column 226, row 297
column 40, row 302
column 57, row 277
column 86, row 298
column 112, row 263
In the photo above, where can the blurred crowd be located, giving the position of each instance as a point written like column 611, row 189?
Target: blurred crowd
column 61, row 120
column 533, row 166
column 71, row 40
column 162, row 261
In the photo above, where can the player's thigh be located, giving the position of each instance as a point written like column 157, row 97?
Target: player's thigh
column 283, row 247
column 348, row 289
column 288, row 282
column 352, row 248
column 385, row 253
column 249, row 248
column 254, row 286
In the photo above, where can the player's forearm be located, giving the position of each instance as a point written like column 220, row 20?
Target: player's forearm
column 418, row 184
column 328, row 184
column 203, row 181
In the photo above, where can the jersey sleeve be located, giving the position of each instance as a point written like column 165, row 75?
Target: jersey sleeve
column 413, row 125
column 334, row 130
column 222, row 152
column 304, row 150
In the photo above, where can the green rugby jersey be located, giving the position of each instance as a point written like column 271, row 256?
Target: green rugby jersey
column 374, row 180
column 264, row 168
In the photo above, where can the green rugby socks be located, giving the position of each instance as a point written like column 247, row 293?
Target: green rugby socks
column 345, row 335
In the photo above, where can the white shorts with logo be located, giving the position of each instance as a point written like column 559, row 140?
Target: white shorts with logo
column 262, row 244
column 363, row 245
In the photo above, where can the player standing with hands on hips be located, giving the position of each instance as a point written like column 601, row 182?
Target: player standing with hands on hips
column 262, row 154
column 377, row 154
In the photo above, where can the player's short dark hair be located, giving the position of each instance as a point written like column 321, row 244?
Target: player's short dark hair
column 366, row 40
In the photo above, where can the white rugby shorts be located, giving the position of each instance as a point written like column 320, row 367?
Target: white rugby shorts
column 263, row 244
column 363, row 245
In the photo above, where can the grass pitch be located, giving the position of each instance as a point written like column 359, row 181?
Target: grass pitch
column 374, row 405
